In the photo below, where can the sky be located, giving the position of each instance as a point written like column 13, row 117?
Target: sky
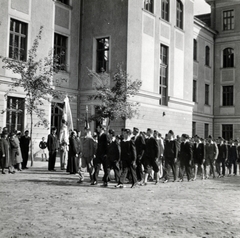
column 201, row 7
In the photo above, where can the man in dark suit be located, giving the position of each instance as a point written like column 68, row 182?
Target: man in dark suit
column 52, row 145
column 128, row 158
column 25, row 141
column 140, row 148
column 101, row 156
column 151, row 156
column 222, row 157
column 185, row 158
column 170, row 155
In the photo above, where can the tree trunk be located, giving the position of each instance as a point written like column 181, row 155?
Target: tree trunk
column 31, row 142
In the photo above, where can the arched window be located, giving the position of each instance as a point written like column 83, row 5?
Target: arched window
column 207, row 56
column 179, row 14
column 228, row 58
column 194, row 49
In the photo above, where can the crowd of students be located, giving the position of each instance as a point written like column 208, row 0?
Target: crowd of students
column 141, row 157
column 138, row 156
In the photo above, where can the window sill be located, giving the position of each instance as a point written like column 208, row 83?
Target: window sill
column 152, row 14
column 207, row 105
column 165, row 21
column 230, row 106
column 196, row 61
column 179, row 29
column 207, row 66
column 63, row 5
column 226, row 68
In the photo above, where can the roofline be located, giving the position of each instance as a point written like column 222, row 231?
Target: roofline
column 204, row 25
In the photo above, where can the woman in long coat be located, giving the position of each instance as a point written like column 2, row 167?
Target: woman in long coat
column 5, row 147
column 72, row 166
column 18, row 154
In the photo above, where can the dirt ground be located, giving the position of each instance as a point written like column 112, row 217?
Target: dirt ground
column 38, row 203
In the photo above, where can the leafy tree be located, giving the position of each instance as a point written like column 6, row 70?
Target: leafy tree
column 35, row 76
column 113, row 102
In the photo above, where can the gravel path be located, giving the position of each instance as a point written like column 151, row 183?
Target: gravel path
column 38, row 203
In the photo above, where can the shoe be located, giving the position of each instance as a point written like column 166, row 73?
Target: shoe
column 26, row 167
column 135, row 185
column 143, row 184
column 12, row 172
column 180, row 180
column 119, row 185
column 80, row 181
column 165, row 181
column 105, row 184
column 194, row 179
column 94, row 183
column 3, row 172
column 190, row 180
column 174, row 180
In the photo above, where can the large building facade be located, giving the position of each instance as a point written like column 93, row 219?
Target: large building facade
column 20, row 22
column 188, row 65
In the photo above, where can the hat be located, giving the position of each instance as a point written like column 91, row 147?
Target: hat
column 150, row 130
column 128, row 131
column 171, row 132
column 135, row 129
column 111, row 132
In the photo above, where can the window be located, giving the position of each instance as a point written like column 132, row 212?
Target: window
column 193, row 128
column 195, row 49
column 56, row 116
column 18, row 40
column 228, row 58
column 207, row 56
column 60, row 50
column 148, row 5
column 206, row 94
column 102, row 55
column 194, row 91
column 15, row 114
column 64, row 1
column 163, row 81
column 179, row 13
column 227, row 131
column 228, row 20
column 165, row 10
column 206, row 130
column 227, row 96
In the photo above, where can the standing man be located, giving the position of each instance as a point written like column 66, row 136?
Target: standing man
column 140, row 148
column 198, row 156
column 211, row 156
column 24, row 144
column 151, row 156
column 88, row 153
column 185, row 158
column 101, row 155
column 128, row 158
column 52, row 145
column 222, row 157
column 171, row 155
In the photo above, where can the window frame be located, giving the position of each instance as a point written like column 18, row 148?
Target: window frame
column 195, row 49
column 228, row 20
column 149, row 5
column 228, row 57
column 194, row 128
column 227, row 133
column 207, row 55
column 207, row 93
column 206, row 130
column 179, row 14
column 106, row 65
column 20, row 37
column 194, row 91
column 165, row 6
column 14, row 114
column 227, row 95
column 62, row 50
column 66, row 2
column 163, row 75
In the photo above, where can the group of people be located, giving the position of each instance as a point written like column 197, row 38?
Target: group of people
column 14, row 150
column 138, row 156
column 144, row 156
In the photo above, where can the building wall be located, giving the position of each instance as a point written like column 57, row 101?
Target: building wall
column 36, row 15
column 226, row 76
column 146, row 31
column 203, row 74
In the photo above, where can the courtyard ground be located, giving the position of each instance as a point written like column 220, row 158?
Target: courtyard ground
column 38, row 203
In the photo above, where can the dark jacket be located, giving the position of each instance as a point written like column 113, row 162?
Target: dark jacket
column 102, row 145
column 152, row 149
column 52, row 143
column 128, row 151
column 186, row 152
column 113, row 151
column 140, row 145
column 171, row 149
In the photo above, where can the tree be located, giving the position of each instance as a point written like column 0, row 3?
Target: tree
column 35, row 76
column 114, row 102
